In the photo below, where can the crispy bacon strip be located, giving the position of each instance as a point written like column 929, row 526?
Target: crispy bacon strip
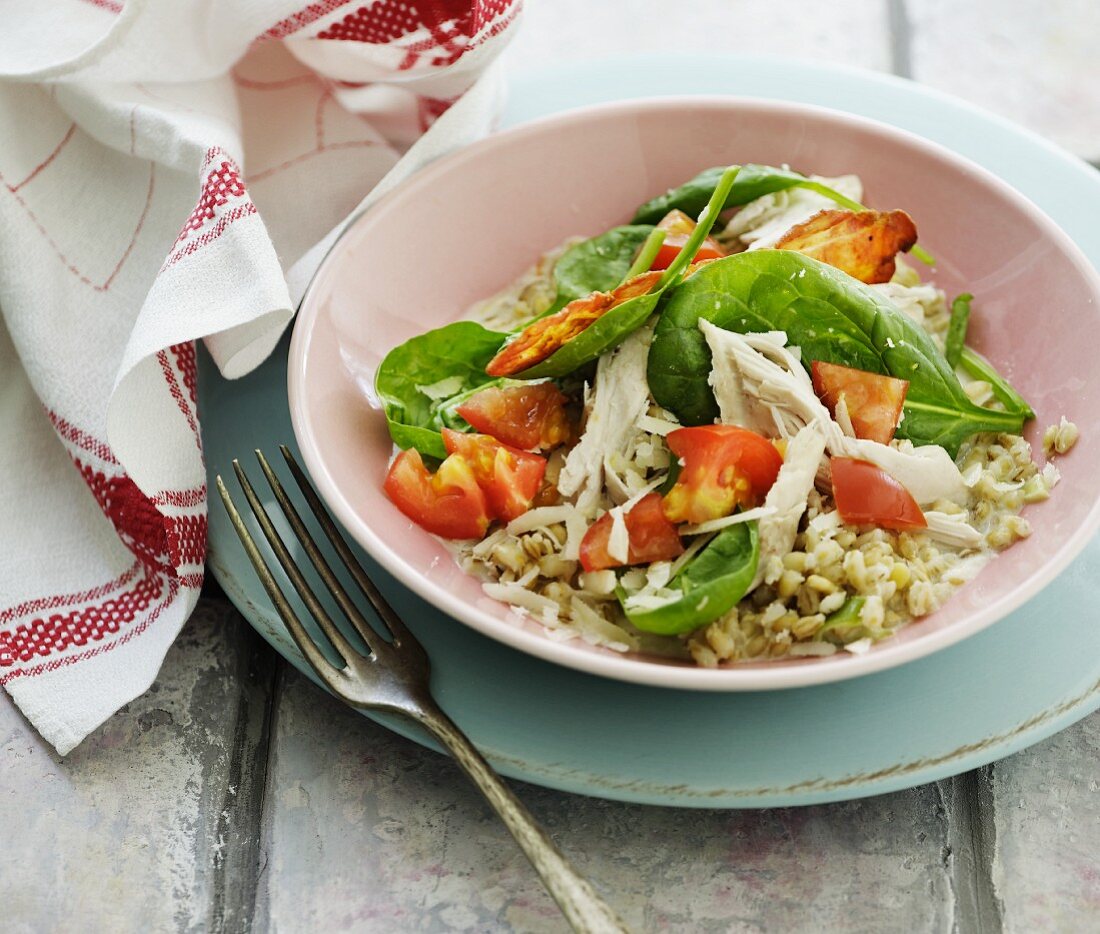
column 542, row 338
column 863, row 244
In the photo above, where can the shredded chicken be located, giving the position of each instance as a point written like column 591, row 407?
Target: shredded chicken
column 780, row 385
column 789, row 497
column 763, row 221
column 619, row 398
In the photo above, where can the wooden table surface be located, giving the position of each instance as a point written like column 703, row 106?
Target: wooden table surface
column 236, row 796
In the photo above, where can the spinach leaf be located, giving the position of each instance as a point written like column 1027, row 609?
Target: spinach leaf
column 754, row 181
column 846, row 624
column 458, row 352
column 832, row 317
column 710, row 584
column 614, row 326
column 596, row 265
column 956, row 331
column 977, row 367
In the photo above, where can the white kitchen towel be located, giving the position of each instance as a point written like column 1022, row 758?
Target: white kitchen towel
column 171, row 171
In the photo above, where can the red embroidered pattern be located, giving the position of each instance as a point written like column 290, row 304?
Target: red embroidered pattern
column 68, row 599
column 223, row 182
column 186, row 537
column 183, row 499
column 136, row 629
column 77, row 437
column 430, row 109
column 111, row 6
column 191, row 246
column 45, row 635
column 378, row 23
column 453, row 26
column 188, row 409
column 185, row 363
column 138, row 522
column 301, row 19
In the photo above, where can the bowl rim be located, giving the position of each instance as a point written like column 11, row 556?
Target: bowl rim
column 808, row 671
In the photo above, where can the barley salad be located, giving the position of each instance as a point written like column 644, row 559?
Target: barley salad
column 740, row 427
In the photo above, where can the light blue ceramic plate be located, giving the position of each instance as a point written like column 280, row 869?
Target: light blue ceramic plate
column 1013, row 684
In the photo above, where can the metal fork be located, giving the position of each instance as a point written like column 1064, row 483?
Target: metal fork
column 394, row 676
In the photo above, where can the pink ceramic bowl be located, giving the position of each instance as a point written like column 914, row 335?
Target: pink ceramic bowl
column 469, row 224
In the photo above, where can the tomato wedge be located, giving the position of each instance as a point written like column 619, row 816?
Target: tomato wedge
column 873, row 401
column 508, row 477
column 867, row 495
column 449, row 503
column 543, row 336
column 679, row 227
column 723, row 467
column 652, row 537
column 529, row 417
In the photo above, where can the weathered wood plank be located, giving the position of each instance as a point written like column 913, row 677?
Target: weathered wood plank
column 855, row 32
column 150, row 823
column 1046, row 813
column 366, row 831
column 1034, row 63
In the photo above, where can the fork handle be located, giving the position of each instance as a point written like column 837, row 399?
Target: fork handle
column 585, row 911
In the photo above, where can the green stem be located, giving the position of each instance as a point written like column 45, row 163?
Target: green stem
column 977, row 367
column 647, row 254
column 1010, row 421
column 710, row 214
column 956, row 331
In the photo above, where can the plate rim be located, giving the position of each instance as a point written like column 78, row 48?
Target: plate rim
column 729, row 679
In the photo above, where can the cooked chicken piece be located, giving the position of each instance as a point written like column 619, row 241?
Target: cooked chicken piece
column 863, row 244
column 761, row 222
column 952, row 530
column 927, row 472
column 620, row 396
column 781, row 397
column 788, row 497
column 916, row 302
column 780, row 386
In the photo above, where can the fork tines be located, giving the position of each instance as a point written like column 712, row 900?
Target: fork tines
column 403, row 646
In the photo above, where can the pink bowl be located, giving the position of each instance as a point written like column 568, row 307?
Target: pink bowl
column 469, row 224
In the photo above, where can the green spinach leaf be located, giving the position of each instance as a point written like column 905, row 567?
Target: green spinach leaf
column 832, row 317
column 846, row 624
column 596, row 265
column 978, row 367
column 710, row 584
column 456, row 354
column 754, row 181
column 956, row 331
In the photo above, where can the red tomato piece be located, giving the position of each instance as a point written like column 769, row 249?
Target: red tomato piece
column 873, row 401
column 448, row 503
column 867, row 495
column 652, row 537
column 680, row 227
column 723, row 467
column 508, row 477
column 527, row 417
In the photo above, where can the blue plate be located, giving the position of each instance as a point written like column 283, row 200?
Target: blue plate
column 1011, row 685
